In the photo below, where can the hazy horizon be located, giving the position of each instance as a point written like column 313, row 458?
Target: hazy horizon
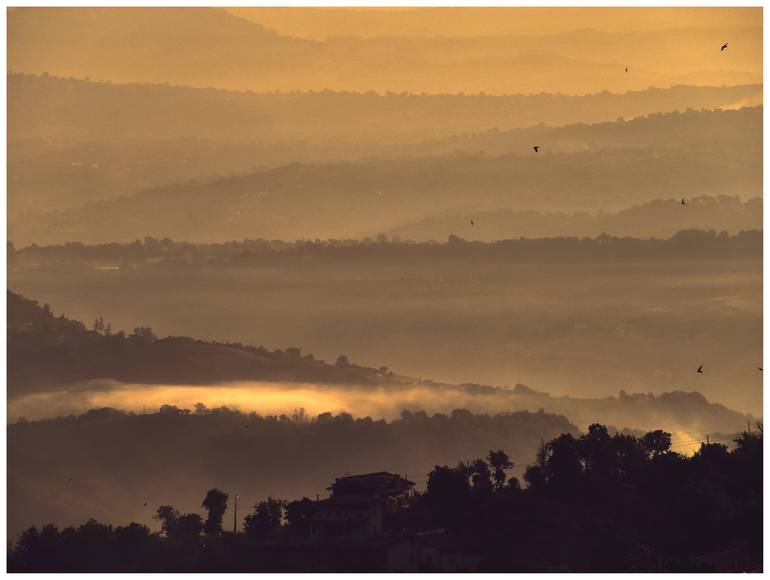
column 258, row 250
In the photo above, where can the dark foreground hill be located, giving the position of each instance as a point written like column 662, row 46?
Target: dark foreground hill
column 68, row 469
column 49, row 352
column 58, row 366
column 601, row 502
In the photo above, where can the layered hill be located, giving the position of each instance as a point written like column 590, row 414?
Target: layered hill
column 49, row 352
column 359, row 198
column 67, row 110
column 212, row 47
column 50, row 355
column 65, row 469
column 660, row 218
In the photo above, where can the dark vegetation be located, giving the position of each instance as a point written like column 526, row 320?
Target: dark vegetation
column 159, row 254
column 73, row 353
column 81, row 361
column 456, row 312
column 599, row 502
column 68, row 469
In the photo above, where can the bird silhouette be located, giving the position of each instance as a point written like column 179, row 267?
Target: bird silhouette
column 626, row 69
column 536, row 148
column 145, row 503
column 760, row 369
column 700, row 369
column 472, row 223
column 724, row 46
column 684, row 202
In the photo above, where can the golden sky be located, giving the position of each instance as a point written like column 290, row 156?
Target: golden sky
column 319, row 23
column 432, row 50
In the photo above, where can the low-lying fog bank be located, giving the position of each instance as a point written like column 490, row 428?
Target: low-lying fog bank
column 67, row 469
column 677, row 412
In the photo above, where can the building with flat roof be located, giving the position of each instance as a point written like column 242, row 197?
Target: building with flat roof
column 359, row 506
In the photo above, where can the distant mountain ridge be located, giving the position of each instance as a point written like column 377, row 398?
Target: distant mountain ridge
column 70, row 110
column 660, row 218
column 211, row 47
column 72, row 355
column 73, row 141
column 354, row 199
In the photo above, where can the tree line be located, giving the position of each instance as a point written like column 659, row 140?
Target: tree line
column 598, row 502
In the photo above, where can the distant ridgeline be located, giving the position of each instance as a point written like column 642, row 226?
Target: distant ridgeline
column 166, row 252
column 45, row 350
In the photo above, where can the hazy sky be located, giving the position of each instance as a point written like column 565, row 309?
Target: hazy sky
column 471, row 50
column 320, row 23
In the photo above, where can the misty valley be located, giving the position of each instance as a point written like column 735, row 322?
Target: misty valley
column 569, row 316
column 384, row 290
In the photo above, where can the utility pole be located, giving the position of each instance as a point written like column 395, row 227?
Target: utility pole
column 707, row 439
column 748, row 424
column 235, row 515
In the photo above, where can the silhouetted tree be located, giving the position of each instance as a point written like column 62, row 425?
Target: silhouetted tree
column 535, row 475
column 637, row 511
column 188, row 526
column 481, row 478
column 178, row 527
column 447, row 490
column 562, row 464
column 500, row 462
column 167, row 516
column 299, row 515
column 596, row 451
column 216, row 504
column 656, row 442
column 266, row 517
column 630, row 455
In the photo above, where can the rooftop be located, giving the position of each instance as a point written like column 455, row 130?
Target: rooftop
column 380, row 481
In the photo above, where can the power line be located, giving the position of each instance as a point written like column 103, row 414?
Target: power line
column 711, row 429
column 706, row 440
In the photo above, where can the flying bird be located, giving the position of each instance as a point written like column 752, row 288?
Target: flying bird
column 626, row 69
column 472, row 223
column 145, row 503
column 536, row 148
column 684, row 202
column 724, row 46
column 700, row 369
column 760, row 369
